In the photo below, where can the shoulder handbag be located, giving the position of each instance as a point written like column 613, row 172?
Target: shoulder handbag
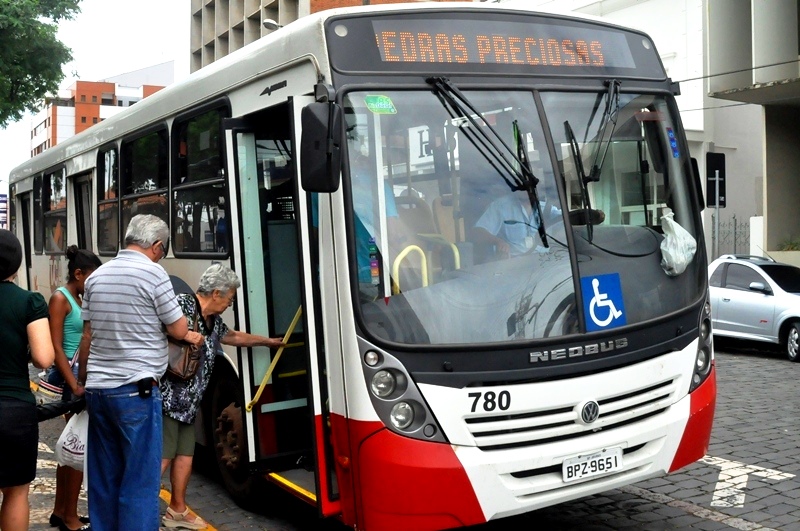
column 185, row 358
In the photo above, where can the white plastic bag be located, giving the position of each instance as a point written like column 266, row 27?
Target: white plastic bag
column 677, row 248
column 71, row 446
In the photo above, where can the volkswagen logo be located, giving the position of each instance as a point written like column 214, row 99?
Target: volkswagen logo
column 589, row 412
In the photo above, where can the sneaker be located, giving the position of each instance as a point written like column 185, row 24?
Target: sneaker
column 185, row 520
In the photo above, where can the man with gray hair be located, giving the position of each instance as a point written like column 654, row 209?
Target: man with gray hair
column 127, row 304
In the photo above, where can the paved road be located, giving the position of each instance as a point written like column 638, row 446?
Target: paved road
column 754, row 451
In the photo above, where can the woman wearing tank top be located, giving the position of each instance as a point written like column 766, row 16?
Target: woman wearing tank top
column 66, row 328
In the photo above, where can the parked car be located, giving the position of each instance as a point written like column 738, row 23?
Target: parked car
column 756, row 298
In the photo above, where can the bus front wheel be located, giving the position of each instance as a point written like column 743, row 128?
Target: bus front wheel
column 226, row 432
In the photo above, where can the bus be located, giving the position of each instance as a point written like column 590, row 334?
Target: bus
column 478, row 228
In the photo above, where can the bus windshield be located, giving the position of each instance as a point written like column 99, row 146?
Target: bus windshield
column 446, row 243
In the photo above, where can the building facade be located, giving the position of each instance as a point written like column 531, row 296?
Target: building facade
column 86, row 103
column 753, row 50
column 219, row 27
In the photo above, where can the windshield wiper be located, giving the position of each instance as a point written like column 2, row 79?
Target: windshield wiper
column 575, row 150
column 609, row 117
column 494, row 149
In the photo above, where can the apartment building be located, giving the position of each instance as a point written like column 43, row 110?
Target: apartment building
column 220, row 27
column 86, row 103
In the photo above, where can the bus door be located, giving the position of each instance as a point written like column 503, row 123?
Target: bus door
column 284, row 427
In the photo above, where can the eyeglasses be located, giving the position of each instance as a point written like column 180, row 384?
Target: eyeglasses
column 231, row 299
column 164, row 247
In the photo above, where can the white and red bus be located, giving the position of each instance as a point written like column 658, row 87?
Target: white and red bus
column 462, row 205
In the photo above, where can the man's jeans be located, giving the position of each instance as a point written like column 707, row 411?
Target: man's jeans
column 124, row 458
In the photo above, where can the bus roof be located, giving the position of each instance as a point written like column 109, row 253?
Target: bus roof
column 302, row 38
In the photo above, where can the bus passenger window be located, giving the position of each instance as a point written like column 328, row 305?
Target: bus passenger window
column 198, row 201
column 107, row 201
column 144, row 177
column 55, row 212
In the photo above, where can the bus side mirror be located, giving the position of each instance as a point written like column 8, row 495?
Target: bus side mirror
column 320, row 147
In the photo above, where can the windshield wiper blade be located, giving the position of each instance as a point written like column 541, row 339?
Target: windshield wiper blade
column 582, row 179
column 609, row 117
column 456, row 102
column 531, row 182
column 518, row 167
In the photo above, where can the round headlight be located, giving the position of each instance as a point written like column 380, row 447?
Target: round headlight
column 402, row 415
column 702, row 361
column 704, row 328
column 383, row 384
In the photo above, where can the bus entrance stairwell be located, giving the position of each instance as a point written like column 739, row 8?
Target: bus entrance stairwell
column 279, row 422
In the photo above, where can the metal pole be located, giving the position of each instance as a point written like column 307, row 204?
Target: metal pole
column 716, row 210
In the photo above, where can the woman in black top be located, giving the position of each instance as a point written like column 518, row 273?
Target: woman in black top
column 24, row 317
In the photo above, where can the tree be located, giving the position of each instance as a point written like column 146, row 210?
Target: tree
column 31, row 57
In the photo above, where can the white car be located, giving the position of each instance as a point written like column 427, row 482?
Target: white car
column 756, row 298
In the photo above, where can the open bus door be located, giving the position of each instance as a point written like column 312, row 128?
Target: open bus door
column 282, row 420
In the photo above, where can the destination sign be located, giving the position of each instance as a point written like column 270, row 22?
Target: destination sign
column 487, row 42
column 513, row 43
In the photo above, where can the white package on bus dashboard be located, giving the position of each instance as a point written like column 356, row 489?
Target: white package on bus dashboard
column 677, row 248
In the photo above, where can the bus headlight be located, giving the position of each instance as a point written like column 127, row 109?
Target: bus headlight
column 704, row 358
column 383, row 384
column 395, row 396
column 402, row 415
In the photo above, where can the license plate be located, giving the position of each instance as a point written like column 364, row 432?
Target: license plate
column 585, row 466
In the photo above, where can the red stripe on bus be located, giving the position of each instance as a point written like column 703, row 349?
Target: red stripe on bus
column 697, row 433
column 411, row 484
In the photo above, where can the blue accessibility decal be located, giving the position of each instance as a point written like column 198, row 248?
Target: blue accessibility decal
column 602, row 302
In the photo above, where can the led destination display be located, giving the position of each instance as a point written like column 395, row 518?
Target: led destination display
column 487, row 42
column 440, row 41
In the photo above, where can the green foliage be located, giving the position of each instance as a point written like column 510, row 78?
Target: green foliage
column 789, row 245
column 31, row 57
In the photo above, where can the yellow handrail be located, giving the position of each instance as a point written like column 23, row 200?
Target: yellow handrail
column 400, row 258
column 441, row 240
column 289, row 331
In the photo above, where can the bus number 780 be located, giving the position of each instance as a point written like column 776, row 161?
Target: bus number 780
column 491, row 400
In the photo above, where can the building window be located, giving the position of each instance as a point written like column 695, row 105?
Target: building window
column 199, row 186
column 94, row 120
column 55, row 212
column 94, row 99
column 107, row 206
column 83, row 98
column 83, row 119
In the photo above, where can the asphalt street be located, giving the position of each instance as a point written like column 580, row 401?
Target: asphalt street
column 750, row 479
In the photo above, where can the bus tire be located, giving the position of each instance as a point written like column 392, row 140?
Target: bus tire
column 225, row 432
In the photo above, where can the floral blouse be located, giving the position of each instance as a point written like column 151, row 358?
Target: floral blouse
column 181, row 399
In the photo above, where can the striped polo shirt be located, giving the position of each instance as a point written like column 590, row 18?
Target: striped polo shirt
column 128, row 300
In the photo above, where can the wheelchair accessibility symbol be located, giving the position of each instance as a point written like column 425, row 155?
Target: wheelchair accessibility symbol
column 602, row 302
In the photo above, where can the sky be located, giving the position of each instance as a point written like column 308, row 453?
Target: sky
column 108, row 38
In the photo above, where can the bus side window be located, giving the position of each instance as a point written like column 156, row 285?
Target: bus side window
column 198, row 186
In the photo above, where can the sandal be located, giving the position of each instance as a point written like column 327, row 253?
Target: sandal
column 56, row 521
column 185, row 520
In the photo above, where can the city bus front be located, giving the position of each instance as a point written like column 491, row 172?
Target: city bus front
column 525, row 273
